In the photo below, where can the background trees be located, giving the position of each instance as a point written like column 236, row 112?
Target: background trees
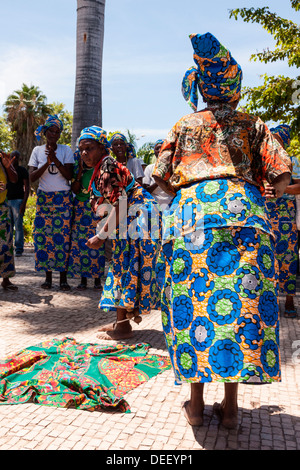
column 277, row 99
column 25, row 110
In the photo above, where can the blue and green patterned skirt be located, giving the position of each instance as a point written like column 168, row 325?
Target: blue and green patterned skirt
column 282, row 214
column 84, row 261
column 131, row 279
column 7, row 264
column 52, row 230
column 219, row 281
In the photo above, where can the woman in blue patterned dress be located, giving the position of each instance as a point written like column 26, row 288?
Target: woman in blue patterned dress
column 52, row 165
column 282, row 212
column 219, row 290
column 133, row 224
column 83, row 261
column 7, row 264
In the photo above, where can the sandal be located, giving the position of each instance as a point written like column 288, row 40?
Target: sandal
column 229, row 424
column 290, row 313
column 198, row 421
column 64, row 286
column 46, row 285
column 9, row 286
column 81, row 286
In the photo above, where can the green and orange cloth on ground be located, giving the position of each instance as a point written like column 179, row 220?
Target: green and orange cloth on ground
column 86, row 376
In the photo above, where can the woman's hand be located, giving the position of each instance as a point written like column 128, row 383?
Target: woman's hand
column 6, row 160
column 269, row 191
column 2, row 186
column 51, row 156
column 95, row 242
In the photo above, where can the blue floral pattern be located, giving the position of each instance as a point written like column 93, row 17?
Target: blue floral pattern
column 52, row 230
column 220, row 310
column 283, row 221
column 131, row 281
column 84, row 261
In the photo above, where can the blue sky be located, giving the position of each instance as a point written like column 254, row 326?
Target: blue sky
column 146, row 53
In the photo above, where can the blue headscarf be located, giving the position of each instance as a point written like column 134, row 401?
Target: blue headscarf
column 52, row 120
column 130, row 148
column 95, row 133
column 217, row 75
column 284, row 132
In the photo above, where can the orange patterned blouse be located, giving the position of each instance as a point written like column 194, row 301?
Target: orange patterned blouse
column 220, row 142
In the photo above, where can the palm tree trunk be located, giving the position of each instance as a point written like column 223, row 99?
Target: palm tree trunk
column 89, row 51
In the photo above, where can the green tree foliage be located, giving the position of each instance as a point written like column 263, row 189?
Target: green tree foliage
column 6, row 136
column 25, row 110
column 146, row 153
column 278, row 98
column 67, row 119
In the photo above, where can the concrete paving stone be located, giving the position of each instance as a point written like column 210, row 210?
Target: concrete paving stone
column 269, row 416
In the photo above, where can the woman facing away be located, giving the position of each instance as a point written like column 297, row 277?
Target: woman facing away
column 220, row 294
column 52, row 165
column 282, row 213
column 7, row 264
column 133, row 224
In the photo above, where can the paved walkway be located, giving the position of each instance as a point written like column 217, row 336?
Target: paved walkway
column 269, row 415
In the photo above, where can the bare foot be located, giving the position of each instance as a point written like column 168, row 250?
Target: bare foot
column 115, row 335
column 228, row 419
column 193, row 420
column 108, row 327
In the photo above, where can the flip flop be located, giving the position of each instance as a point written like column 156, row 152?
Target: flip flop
column 46, row 285
column 114, row 336
column 81, row 287
column 64, row 286
column 218, row 410
column 192, row 422
column 10, row 287
column 290, row 313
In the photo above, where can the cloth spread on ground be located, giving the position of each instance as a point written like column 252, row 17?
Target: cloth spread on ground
column 65, row 373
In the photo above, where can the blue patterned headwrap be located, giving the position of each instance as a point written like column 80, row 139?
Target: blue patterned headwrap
column 284, row 132
column 52, row 120
column 130, row 148
column 95, row 133
column 217, row 75
column 159, row 141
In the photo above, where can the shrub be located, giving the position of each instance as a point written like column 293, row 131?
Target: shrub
column 29, row 218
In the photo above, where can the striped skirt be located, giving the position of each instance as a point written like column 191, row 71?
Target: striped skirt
column 84, row 261
column 52, row 230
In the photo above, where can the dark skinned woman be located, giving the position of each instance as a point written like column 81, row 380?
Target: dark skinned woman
column 52, row 165
column 133, row 223
column 125, row 154
column 220, row 293
column 7, row 265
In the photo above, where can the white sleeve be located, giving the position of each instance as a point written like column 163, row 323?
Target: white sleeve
column 138, row 169
column 148, row 175
column 33, row 160
column 68, row 156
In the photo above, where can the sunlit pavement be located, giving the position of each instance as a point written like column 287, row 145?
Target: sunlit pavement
column 269, row 415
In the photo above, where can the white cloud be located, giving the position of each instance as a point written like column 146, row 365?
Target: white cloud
column 50, row 70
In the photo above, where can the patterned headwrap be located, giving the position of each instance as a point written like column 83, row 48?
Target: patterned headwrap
column 217, row 75
column 130, row 148
column 159, row 141
column 52, row 120
column 95, row 133
column 284, row 132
